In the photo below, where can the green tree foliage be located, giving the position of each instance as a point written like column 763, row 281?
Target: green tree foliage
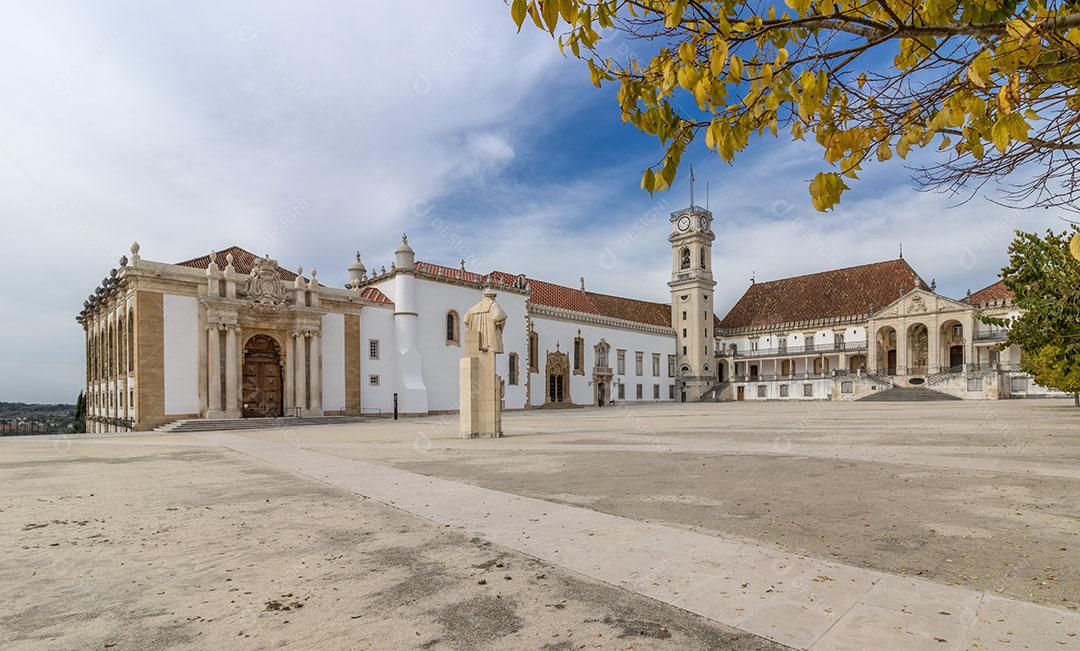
column 79, row 426
column 991, row 84
column 1045, row 278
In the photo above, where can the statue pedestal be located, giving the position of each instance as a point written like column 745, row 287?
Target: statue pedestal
column 481, row 404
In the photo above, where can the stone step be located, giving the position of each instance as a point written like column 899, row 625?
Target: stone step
column 907, row 394
column 219, row 425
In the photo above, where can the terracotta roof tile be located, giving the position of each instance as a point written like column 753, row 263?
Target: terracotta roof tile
column 243, row 261
column 832, row 294
column 567, row 298
column 450, row 273
column 996, row 292
column 373, row 294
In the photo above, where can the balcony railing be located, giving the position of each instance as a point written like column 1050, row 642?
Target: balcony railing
column 991, row 335
column 808, row 349
column 772, row 377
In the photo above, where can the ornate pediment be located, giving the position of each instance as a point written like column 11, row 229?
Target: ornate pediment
column 264, row 289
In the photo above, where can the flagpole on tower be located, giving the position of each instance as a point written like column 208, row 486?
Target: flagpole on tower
column 691, row 185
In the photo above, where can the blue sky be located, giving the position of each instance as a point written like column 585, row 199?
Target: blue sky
column 312, row 131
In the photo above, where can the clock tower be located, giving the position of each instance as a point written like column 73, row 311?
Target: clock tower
column 692, row 301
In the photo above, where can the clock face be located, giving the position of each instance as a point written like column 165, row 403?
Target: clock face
column 684, row 223
column 704, row 223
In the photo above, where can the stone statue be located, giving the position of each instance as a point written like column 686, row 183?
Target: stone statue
column 486, row 320
column 480, row 386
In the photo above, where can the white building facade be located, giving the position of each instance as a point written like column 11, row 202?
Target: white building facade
column 234, row 335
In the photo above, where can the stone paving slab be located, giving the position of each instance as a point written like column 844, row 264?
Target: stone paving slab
column 802, row 602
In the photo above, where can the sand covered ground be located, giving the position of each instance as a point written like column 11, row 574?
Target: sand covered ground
column 154, row 541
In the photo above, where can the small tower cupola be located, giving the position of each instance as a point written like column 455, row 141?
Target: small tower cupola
column 357, row 271
column 404, row 257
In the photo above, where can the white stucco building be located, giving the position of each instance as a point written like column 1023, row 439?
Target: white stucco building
column 234, row 335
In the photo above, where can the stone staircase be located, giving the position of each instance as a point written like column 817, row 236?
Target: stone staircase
column 907, row 394
column 221, row 425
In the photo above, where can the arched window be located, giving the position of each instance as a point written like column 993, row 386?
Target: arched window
column 453, row 329
column 579, row 356
column 703, row 258
column 512, row 371
column 686, row 258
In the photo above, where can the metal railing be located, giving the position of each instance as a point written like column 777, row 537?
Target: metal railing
column 807, row 349
column 991, row 335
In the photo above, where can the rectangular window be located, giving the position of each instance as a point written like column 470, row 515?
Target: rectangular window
column 656, row 364
column 671, row 392
column 620, row 362
column 640, row 395
column 639, row 363
column 761, row 391
column 808, row 390
column 783, row 390
column 671, row 366
column 656, row 392
column 684, row 315
column 975, row 384
column 373, row 349
column 1018, row 385
column 622, row 391
column 579, row 356
column 847, row 387
column 512, row 369
column 373, row 380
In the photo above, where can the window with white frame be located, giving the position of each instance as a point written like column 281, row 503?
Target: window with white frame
column 671, row 366
column 975, row 384
column 622, row 391
column 620, row 362
column 656, row 392
column 761, row 391
column 808, row 390
column 656, row 364
column 640, row 393
column 373, row 380
column 639, row 363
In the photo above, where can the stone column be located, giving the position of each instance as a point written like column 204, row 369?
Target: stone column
column 969, row 340
column 316, row 375
column 290, row 374
column 901, row 348
column 232, row 369
column 301, row 372
column 933, row 349
column 213, row 370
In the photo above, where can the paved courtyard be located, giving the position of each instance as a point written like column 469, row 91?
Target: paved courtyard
column 949, row 525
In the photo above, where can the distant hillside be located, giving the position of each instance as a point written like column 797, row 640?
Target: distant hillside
column 19, row 417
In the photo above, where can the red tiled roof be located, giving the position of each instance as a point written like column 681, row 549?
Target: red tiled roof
column 567, row 298
column 373, row 294
column 450, row 273
column 243, row 261
column 996, row 292
column 832, row 294
column 614, row 307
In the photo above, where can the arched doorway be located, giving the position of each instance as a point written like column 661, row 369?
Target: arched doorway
column 952, row 346
column 918, row 349
column 886, row 350
column 262, row 378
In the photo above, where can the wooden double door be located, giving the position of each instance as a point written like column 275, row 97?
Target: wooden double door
column 262, row 386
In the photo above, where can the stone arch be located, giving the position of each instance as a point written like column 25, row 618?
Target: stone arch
column 684, row 258
column 950, row 353
column 263, row 394
column 918, row 349
column 885, row 341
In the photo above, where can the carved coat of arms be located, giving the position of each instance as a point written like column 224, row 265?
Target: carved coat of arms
column 264, row 288
column 917, row 304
